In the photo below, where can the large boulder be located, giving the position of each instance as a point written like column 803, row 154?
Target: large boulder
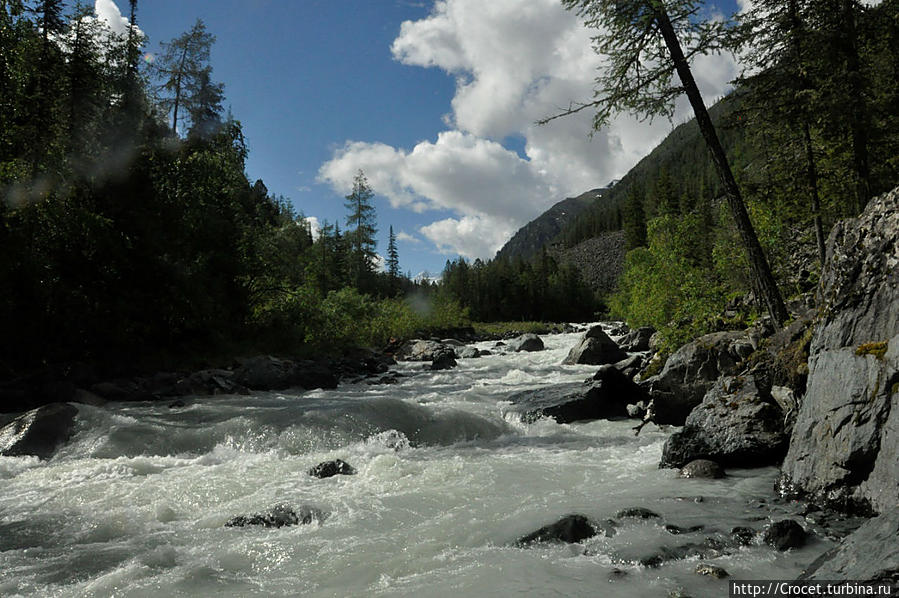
column 845, row 442
column 526, row 342
column 38, row 432
column 692, row 370
column 605, row 395
column 737, row 424
column 596, row 348
column 265, row 372
column 423, row 350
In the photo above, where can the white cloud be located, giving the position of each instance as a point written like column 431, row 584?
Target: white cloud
column 515, row 62
column 108, row 12
column 407, row 238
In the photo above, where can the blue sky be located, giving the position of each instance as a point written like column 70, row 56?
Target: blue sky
column 434, row 100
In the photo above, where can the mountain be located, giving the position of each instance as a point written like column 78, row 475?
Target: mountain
column 531, row 237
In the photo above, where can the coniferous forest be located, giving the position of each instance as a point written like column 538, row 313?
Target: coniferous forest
column 131, row 233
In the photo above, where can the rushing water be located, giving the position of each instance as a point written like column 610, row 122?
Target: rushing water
column 135, row 504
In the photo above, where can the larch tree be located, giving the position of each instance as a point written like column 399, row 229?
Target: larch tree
column 642, row 43
column 181, row 64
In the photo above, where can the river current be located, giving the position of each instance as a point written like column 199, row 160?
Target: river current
column 447, row 480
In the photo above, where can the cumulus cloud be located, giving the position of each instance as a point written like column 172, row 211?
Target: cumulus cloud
column 515, row 62
column 315, row 226
column 407, row 238
column 109, row 13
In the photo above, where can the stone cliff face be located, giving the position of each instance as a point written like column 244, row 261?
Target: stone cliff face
column 845, row 444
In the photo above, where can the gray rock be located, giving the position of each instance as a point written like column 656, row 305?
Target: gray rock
column 702, row 468
column 637, row 340
column 605, row 395
column 468, row 352
column 784, row 535
column 38, row 432
column 845, row 442
column 422, row 350
column 279, row 516
column 692, row 370
column 869, row 553
column 737, row 424
column 526, row 342
column 596, row 348
column 631, row 365
column 570, row 529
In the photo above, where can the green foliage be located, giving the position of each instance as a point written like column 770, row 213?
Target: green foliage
column 669, row 285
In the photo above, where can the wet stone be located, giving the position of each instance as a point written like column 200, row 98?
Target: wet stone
column 332, row 468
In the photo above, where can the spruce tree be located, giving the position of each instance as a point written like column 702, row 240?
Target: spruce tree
column 360, row 232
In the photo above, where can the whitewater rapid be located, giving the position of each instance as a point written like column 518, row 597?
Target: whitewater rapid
column 447, row 480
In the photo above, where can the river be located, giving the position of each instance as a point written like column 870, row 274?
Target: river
column 447, row 480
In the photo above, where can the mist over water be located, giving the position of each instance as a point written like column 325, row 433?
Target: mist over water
column 446, row 481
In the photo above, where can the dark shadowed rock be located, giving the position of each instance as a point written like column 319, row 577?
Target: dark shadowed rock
column 631, row 366
column 265, row 372
column 279, row 516
column 332, row 468
column 208, row 382
column 443, row 361
column 570, row 529
column 845, row 442
column 869, row 553
column 596, row 348
column 784, row 535
column 526, row 342
column 637, row 340
column 737, row 424
column 676, row 530
column 702, row 468
column 605, row 395
column 692, row 371
column 38, row 432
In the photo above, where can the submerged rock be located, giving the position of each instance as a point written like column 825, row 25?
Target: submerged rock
column 636, row 513
column 468, row 352
column 784, row 535
column 596, row 348
column 570, row 529
column 737, row 424
column 332, row 468
column 38, row 432
column 281, row 515
column 711, row 571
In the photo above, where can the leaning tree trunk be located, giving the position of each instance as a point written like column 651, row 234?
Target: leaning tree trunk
column 763, row 278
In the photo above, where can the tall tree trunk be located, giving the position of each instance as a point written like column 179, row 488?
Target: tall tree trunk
column 812, row 174
column 858, row 110
column 763, row 278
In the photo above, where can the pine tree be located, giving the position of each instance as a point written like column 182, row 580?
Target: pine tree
column 393, row 262
column 360, row 232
